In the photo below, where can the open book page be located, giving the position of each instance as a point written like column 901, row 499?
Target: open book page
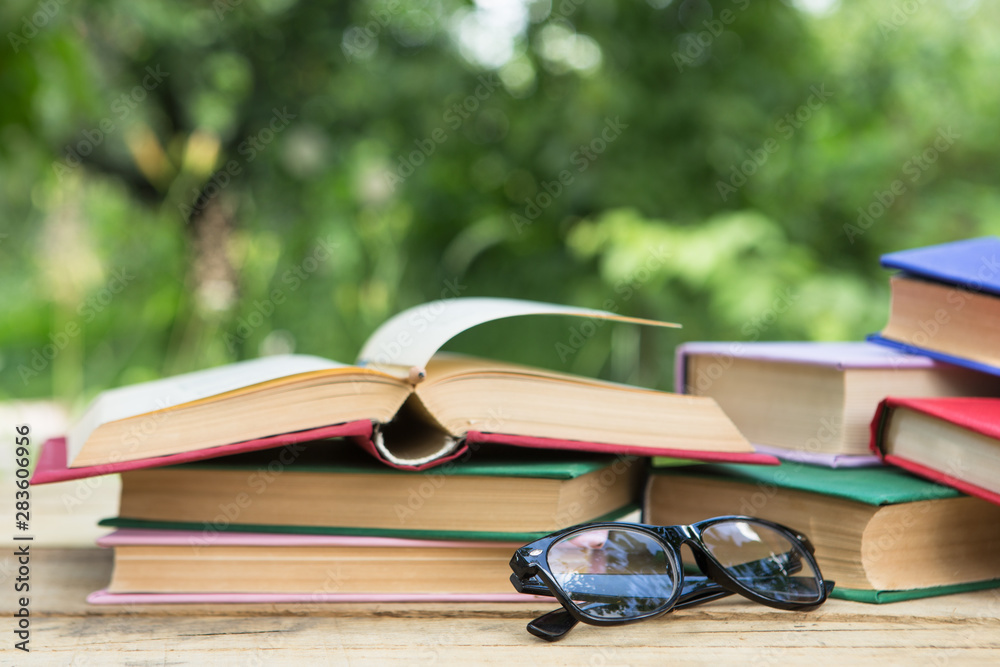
column 411, row 338
column 148, row 397
column 448, row 365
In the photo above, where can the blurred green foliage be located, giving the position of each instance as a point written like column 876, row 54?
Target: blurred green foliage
column 187, row 183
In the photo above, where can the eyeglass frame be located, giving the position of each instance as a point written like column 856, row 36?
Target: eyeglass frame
column 532, row 575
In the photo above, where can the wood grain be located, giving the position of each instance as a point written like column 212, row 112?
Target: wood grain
column 959, row 629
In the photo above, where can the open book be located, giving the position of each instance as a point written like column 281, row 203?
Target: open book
column 403, row 401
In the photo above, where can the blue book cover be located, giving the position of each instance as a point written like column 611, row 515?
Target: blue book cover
column 970, row 266
column 971, row 364
column 971, row 263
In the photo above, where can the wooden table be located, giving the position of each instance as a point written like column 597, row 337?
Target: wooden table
column 65, row 630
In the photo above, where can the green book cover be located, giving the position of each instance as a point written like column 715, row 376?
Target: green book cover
column 883, row 597
column 875, row 486
column 119, row 522
column 495, row 461
column 872, row 486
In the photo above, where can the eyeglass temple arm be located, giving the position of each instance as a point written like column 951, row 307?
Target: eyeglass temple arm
column 698, row 589
column 530, row 585
column 553, row 625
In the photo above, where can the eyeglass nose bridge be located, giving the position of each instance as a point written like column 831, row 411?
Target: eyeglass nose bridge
column 687, row 534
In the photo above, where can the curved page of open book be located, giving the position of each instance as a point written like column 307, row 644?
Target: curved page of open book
column 411, row 338
column 275, row 395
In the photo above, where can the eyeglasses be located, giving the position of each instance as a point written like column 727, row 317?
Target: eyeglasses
column 616, row 573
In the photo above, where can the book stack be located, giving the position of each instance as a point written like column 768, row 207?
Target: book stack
column 331, row 524
column 946, row 305
column 414, row 474
column 410, row 475
column 923, row 395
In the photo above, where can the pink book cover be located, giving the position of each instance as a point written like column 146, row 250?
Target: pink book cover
column 195, row 539
column 104, row 597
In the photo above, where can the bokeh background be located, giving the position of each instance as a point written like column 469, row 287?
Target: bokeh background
column 188, row 183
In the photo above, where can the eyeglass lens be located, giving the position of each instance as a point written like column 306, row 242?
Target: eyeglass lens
column 613, row 573
column 764, row 560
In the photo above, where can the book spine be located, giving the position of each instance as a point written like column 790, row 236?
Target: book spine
column 875, row 443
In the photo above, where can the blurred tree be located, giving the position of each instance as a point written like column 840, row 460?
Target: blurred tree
column 185, row 184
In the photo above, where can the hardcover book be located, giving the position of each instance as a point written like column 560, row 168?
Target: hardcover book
column 953, row 441
column 500, row 493
column 439, row 405
column 881, row 534
column 813, row 402
column 158, row 566
column 946, row 303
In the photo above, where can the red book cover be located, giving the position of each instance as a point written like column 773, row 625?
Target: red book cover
column 979, row 415
column 52, row 466
column 474, row 437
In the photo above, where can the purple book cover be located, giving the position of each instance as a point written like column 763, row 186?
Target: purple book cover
column 820, row 459
column 840, row 355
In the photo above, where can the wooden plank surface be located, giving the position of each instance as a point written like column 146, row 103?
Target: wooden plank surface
column 959, row 630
